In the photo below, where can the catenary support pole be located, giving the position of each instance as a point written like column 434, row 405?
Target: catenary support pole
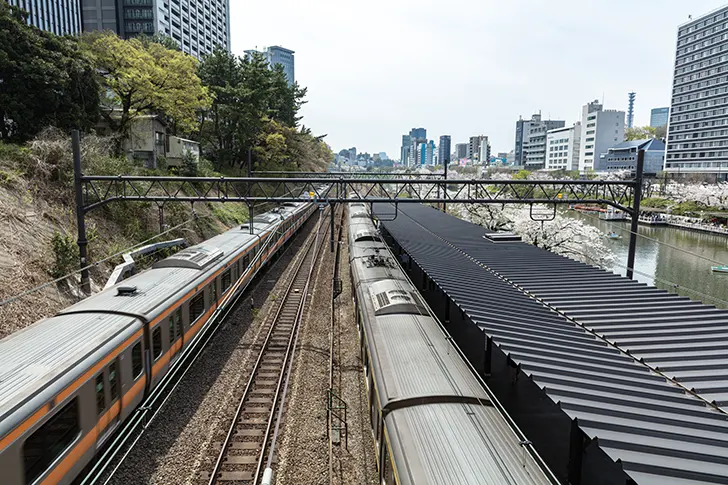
column 333, row 207
column 80, row 211
column 251, row 210
column 444, row 194
column 635, row 214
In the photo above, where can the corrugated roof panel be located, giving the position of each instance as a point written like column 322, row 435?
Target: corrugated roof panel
column 638, row 418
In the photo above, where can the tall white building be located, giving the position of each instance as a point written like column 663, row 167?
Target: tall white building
column 600, row 130
column 562, row 148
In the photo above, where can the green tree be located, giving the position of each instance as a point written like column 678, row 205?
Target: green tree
column 248, row 96
column 144, row 77
column 639, row 133
column 44, row 80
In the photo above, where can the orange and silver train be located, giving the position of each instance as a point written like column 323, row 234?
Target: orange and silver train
column 68, row 382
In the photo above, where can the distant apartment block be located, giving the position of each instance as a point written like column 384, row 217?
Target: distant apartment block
column 478, row 149
column 531, row 138
column 698, row 130
column 279, row 55
column 532, row 142
column 197, row 26
column 562, row 148
column 600, row 130
column 461, row 151
column 659, row 117
column 60, row 17
column 443, row 154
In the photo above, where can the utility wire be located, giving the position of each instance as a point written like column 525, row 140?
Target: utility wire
column 96, row 263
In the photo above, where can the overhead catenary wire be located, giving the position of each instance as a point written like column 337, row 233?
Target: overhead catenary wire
column 96, row 263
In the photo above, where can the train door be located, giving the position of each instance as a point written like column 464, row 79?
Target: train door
column 108, row 401
column 176, row 335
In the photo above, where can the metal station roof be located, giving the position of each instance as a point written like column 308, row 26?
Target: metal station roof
column 660, row 434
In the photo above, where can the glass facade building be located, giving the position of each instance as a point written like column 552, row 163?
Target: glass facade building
column 698, row 129
column 61, row 17
column 197, row 26
column 443, row 156
column 659, row 116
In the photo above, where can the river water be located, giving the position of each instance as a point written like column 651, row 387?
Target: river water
column 663, row 266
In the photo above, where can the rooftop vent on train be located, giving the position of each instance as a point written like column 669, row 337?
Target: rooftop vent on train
column 502, row 237
column 390, row 297
column 196, row 257
column 126, row 291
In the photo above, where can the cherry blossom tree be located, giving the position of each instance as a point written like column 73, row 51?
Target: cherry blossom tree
column 563, row 235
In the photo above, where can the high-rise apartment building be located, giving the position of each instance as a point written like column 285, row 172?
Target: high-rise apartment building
column 474, row 148
column 659, row 117
column 600, row 130
column 698, row 130
column 61, row 17
column 276, row 55
column 197, row 26
column 405, row 149
column 461, row 151
column 562, row 148
column 443, row 155
column 530, row 150
column 430, row 154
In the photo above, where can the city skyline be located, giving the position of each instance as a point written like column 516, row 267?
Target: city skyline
column 374, row 93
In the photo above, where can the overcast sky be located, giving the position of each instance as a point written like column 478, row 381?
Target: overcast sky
column 376, row 68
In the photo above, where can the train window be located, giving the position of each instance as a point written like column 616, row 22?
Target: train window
column 49, row 441
column 213, row 291
column 113, row 382
column 197, row 306
column 225, row 281
column 136, row 360
column 177, row 317
column 246, row 261
column 239, row 270
column 171, row 330
column 100, row 396
column 157, row 342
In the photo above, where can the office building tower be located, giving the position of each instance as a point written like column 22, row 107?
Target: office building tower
column 659, row 117
column 630, row 110
column 430, row 154
column 404, row 150
column 698, row 129
column 197, row 26
column 562, row 148
column 533, row 141
column 443, row 155
column 530, row 148
column 600, row 130
column 60, row 17
column 461, row 151
column 277, row 55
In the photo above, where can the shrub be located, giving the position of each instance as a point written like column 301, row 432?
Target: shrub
column 65, row 251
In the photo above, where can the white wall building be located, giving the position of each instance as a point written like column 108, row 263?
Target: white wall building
column 600, row 130
column 562, row 148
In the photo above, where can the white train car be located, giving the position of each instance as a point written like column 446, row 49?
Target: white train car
column 432, row 420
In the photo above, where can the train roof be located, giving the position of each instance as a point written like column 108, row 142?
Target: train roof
column 48, row 352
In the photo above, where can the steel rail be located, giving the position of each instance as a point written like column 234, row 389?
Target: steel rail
column 214, row 475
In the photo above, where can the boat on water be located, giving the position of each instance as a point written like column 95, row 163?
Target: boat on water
column 720, row 269
column 613, row 235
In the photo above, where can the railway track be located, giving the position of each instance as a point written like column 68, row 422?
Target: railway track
column 247, row 451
